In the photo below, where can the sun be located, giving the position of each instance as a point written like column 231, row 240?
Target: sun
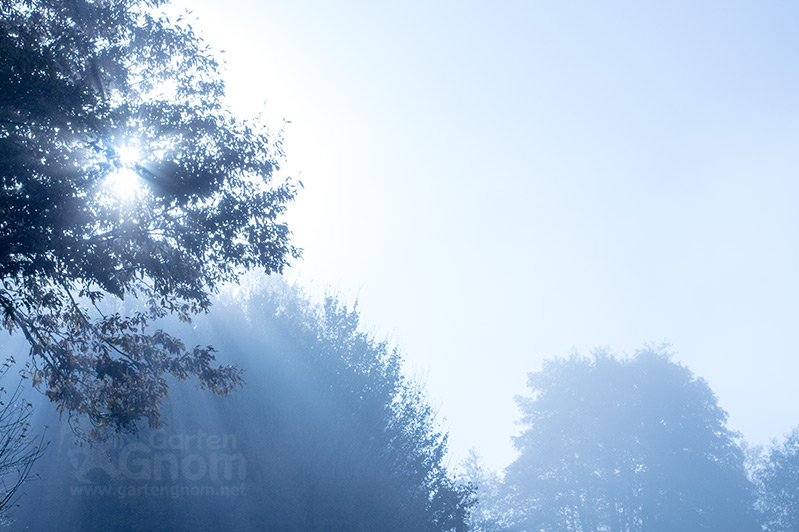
column 124, row 181
column 128, row 155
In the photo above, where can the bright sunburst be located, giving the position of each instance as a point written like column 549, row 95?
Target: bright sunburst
column 125, row 181
column 128, row 155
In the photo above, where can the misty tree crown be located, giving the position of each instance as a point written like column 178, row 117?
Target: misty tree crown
column 634, row 444
column 94, row 93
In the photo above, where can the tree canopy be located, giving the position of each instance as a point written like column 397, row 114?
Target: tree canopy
column 626, row 444
column 329, row 436
column 123, row 176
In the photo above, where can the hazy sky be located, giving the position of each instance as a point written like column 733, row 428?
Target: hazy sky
column 503, row 182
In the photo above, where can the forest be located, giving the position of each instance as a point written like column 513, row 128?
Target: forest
column 163, row 373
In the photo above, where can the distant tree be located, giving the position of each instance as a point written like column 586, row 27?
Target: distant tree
column 488, row 513
column 123, row 176
column 634, row 444
column 778, row 479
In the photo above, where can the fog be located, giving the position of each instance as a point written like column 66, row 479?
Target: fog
column 326, row 435
column 547, row 282
column 498, row 184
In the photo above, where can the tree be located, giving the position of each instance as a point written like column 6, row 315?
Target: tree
column 359, row 447
column 19, row 447
column 777, row 476
column 487, row 513
column 331, row 436
column 626, row 445
column 124, row 176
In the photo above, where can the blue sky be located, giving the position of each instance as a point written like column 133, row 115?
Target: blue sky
column 501, row 183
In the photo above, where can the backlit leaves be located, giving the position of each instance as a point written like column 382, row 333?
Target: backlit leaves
column 81, row 81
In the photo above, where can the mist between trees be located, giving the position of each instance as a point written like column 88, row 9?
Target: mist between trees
column 327, row 434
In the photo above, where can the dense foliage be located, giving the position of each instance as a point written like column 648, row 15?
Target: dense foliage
column 634, row 444
column 123, row 176
column 329, row 436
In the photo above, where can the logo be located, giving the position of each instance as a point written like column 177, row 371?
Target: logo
column 161, row 463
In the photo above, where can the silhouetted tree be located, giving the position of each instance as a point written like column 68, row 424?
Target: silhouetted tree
column 95, row 94
column 635, row 444
column 778, row 479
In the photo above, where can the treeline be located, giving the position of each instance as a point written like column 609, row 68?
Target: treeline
column 326, row 434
